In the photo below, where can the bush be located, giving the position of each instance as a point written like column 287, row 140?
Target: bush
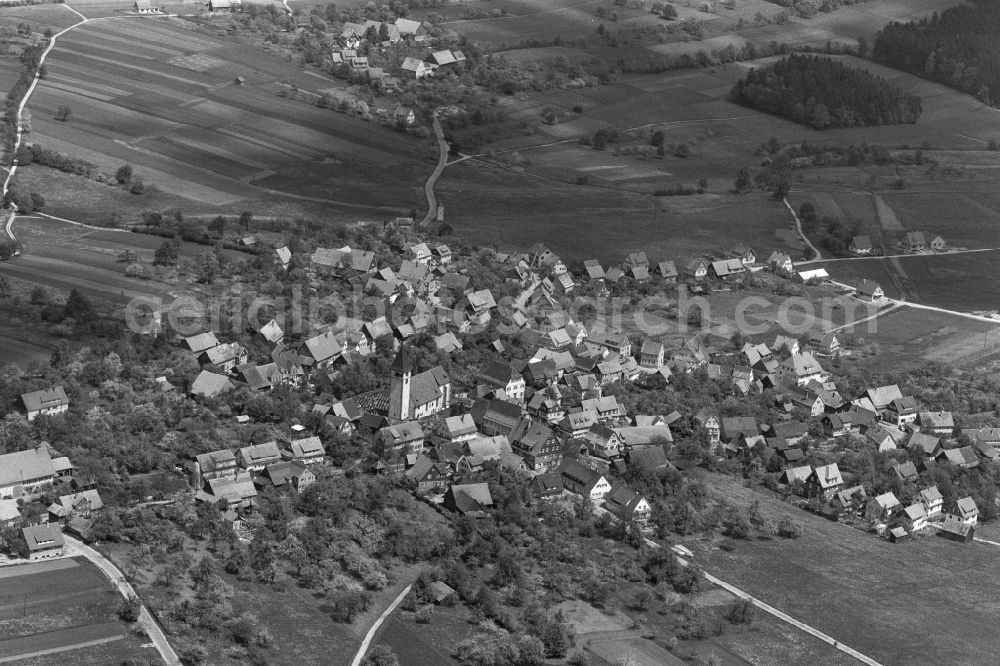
column 138, row 187
column 424, row 615
column 124, row 174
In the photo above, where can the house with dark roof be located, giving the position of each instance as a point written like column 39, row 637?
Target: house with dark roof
column 869, row 291
column 581, row 480
column 860, row 245
column 546, row 486
column 469, row 499
column 402, row 438
column 627, row 505
column 824, row 481
column 937, row 423
column 286, row 474
column 536, row 443
column 502, row 375
column 306, row 451
column 964, row 457
column 83, row 503
column 429, row 474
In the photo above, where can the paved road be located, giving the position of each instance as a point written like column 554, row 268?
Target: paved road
column 365, row 644
column 896, row 256
column 432, row 206
column 146, row 620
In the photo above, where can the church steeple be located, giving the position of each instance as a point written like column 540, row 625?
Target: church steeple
column 399, row 386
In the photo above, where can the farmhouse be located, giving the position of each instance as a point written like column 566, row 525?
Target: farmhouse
column 860, row 245
column 49, row 401
column 25, row 473
column 256, row 457
column 469, row 499
column 307, row 451
column 780, row 261
column 220, row 5
column 627, row 505
column 44, row 541
column 880, row 509
column 697, row 269
column 800, row 369
column 869, row 291
column 144, row 7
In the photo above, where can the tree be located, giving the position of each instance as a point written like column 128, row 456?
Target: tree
column 669, row 11
column 124, row 174
column 246, row 218
column 138, row 187
column 79, row 308
column 63, row 113
column 166, row 254
column 4, row 286
column 741, row 612
column 742, row 181
column 380, row 655
column 643, row 598
column 9, row 248
column 702, row 185
column 218, row 226
column 129, row 609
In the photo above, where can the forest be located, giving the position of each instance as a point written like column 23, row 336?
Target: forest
column 958, row 48
column 824, row 93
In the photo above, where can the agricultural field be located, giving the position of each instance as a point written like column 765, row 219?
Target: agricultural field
column 936, row 598
column 63, row 611
column 174, row 110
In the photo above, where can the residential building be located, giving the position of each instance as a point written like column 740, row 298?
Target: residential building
column 44, row 541
column 469, row 499
column 627, row 505
column 26, row 473
column 402, row 438
column 800, row 369
column 869, row 291
column 306, row 451
column 860, row 245
column 824, row 481
column 286, row 474
column 536, row 443
column 502, row 375
column 968, row 512
column 932, row 500
column 458, row 428
column 256, row 457
column 581, row 480
column 48, row 401
column 915, row 517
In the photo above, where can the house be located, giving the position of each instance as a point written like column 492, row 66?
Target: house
column 906, row 472
column 937, row 423
column 594, row 269
column 416, row 396
column 418, row 252
column 199, row 343
column 824, row 342
column 745, row 254
column 915, row 241
column 793, row 475
column 446, row 60
column 880, row 509
column 869, row 291
column 860, row 245
column 211, row 384
column 785, row 343
column 45, row 540
column 283, row 256
column 824, row 481
column 954, row 529
column 145, row 7
column 603, row 442
column 932, row 500
column 238, row 492
column 502, row 375
column 428, row 474
column 220, row 5
column 781, row 262
column 616, row 342
column 902, row 411
column 458, row 428
column 964, row 457
column 213, row 465
column 403, row 438
column 409, row 29
column 883, row 396
column 800, row 369
column 735, row 427
column 82, row 503
column 627, row 505
column 937, row 244
column 536, row 443
column 581, row 480
column 286, row 474
column 256, row 457
column 666, row 270
column 496, row 417
column 469, row 499
column 850, row 500
column 968, row 512
column 26, row 473
column 307, row 451
column 926, row 445
column 651, row 354
column 915, row 517
column 727, row 269
column 47, row 401
column 710, row 422
column 224, row 357
column 546, row 486
column 636, row 265
column 696, row 269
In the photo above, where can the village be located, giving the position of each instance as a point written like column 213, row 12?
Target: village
column 554, row 414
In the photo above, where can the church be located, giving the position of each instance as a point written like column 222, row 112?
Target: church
column 416, row 396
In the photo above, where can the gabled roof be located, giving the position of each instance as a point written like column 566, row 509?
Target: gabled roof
column 887, row 500
column 828, row 476
column 26, row 465
column 257, row 453
column 401, row 433
column 868, row 288
column 931, row 494
column 967, row 507
column 906, row 471
column 471, row 497
column 201, row 342
column 43, row 537
column 45, row 399
column 210, row 384
column 306, row 448
column 579, row 473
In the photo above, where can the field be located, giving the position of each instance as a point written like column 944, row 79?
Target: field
column 174, row 110
column 935, row 598
column 63, row 611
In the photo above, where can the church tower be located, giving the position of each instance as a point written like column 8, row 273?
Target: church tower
column 399, row 388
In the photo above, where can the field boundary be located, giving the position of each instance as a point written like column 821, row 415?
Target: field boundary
column 62, row 648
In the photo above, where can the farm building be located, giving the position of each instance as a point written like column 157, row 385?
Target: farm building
column 860, row 245
column 144, row 7
column 814, row 274
column 869, row 291
column 221, row 5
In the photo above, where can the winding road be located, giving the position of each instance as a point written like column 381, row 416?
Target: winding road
column 115, row 575
column 432, row 206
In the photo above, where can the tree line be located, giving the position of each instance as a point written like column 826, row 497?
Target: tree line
column 822, row 93
column 957, row 47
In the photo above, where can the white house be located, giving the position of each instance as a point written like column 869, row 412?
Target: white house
column 932, row 501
